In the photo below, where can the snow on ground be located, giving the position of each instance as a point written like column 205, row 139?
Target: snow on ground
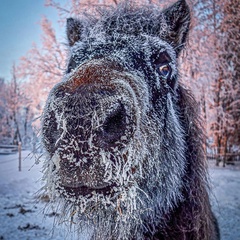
column 226, row 199
column 21, row 214
column 22, row 217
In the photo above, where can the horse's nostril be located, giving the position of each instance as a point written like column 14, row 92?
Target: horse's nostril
column 115, row 125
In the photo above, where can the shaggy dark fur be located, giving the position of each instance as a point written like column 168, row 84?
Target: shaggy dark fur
column 122, row 135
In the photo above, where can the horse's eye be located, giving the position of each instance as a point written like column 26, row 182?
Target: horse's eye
column 164, row 70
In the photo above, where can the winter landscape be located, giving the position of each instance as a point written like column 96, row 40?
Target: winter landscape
column 209, row 66
column 22, row 218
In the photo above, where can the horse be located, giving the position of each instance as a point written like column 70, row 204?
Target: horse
column 122, row 134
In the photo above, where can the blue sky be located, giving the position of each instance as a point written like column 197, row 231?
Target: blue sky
column 19, row 28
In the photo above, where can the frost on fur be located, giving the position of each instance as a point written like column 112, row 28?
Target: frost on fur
column 122, row 139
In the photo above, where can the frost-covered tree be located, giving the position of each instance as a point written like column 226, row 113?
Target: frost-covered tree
column 14, row 112
column 5, row 126
column 213, row 67
column 199, row 66
column 226, row 127
column 43, row 66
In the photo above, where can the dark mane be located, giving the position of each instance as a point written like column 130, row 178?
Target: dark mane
column 193, row 217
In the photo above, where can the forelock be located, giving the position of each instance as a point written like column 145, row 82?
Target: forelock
column 127, row 19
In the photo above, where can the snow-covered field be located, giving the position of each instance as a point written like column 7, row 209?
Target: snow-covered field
column 22, row 217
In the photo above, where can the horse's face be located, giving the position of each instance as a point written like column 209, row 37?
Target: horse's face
column 111, row 127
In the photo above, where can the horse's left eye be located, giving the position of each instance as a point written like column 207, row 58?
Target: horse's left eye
column 164, row 70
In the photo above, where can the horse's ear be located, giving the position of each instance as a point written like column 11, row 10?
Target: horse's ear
column 74, row 30
column 177, row 18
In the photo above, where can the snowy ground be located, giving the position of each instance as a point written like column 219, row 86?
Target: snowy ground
column 21, row 214
column 226, row 199
column 21, row 217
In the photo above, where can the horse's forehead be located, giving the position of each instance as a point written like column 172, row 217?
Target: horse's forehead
column 122, row 48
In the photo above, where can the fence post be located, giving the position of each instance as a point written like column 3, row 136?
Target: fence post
column 19, row 156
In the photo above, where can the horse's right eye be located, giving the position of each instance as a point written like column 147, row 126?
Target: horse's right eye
column 164, row 70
